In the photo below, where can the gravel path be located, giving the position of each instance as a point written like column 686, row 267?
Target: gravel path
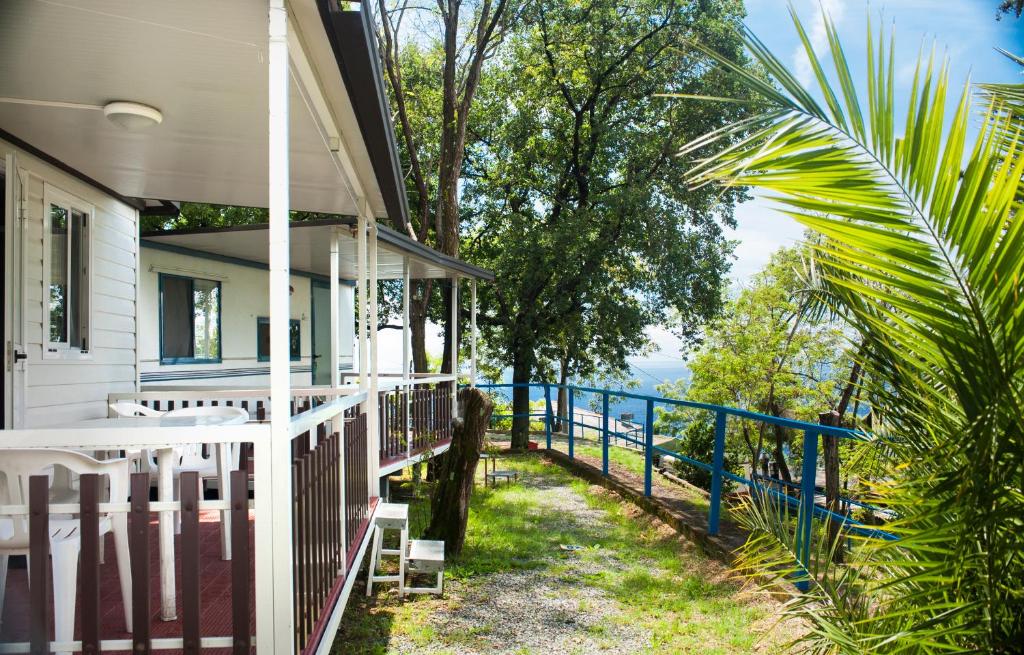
column 568, row 603
column 543, row 610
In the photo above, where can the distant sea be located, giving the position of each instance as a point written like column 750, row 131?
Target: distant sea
column 649, row 374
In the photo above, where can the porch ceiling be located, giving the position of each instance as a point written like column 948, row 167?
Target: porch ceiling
column 203, row 64
column 310, row 243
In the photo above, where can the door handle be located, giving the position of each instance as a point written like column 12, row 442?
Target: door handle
column 20, row 356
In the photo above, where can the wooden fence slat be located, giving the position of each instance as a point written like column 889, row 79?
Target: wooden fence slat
column 89, row 584
column 190, row 597
column 298, row 539
column 241, row 586
column 39, row 567
column 138, row 547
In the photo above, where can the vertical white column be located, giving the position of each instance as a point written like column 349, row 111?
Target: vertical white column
column 275, row 624
column 455, row 345
column 338, row 424
column 472, row 334
column 361, row 300
column 373, row 423
column 335, row 311
column 406, row 351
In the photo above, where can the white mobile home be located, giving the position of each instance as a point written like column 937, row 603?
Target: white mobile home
column 110, row 109
column 204, row 320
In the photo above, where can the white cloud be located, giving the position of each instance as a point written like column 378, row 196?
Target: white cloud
column 834, row 9
column 760, row 231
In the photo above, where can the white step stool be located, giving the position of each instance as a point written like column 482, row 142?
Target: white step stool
column 389, row 516
column 426, row 557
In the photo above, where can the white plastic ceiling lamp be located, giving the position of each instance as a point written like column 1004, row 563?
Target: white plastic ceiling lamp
column 132, row 115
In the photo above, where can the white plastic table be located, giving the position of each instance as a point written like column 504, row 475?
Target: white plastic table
column 165, row 484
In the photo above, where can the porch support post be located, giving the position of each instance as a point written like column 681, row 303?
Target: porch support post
column 361, row 297
column 472, row 334
column 335, row 312
column 455, row 346
column 373, row 422
column 406, row 352
column 276, row 631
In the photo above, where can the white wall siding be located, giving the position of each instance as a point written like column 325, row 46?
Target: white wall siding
column 64, row 390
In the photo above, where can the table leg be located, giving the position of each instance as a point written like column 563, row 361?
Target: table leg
column 223, row 471
column 165, row 490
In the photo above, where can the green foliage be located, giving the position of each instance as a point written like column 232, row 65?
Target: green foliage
column 919, row 249
column 766, row 353
column 571, row 192
column 697, row 441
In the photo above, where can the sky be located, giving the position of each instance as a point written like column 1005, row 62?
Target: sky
column 966, row 30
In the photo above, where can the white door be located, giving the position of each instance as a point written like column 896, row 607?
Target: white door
column 14, row 362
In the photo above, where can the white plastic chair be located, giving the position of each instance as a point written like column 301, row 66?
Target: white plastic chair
column 16, row 466
column 191, row 458
column 127, row 409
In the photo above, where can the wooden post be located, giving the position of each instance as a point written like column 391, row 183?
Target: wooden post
column 830, row 455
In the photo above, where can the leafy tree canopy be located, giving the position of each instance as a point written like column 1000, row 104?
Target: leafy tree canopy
column 572, row 191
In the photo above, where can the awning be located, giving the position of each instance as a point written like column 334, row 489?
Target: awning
column 310, row 249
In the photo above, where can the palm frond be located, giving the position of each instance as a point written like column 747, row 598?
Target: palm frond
column 919, row 248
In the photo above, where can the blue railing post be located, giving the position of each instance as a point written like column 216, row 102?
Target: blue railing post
column 604, row 433
column 648, row 447
column 547, row 413
column 717, row 464
column 570, row 417
column 805, row 517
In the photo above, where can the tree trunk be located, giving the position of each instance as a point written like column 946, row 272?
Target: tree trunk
column 449, row 502
column 446, row 327
column 520, row 402
column 563, row 396
column 418, row 325
column 830, row 449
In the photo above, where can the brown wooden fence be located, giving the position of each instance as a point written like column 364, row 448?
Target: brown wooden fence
column 427, row 412
column 91, row 628
column 326, row 524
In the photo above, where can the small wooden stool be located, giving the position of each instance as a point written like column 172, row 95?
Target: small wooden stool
column 507, row 476
column 487, row 457
column 426, row 557
column 389, row 516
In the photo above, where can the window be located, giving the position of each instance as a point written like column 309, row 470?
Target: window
column 189, row 320
column 67, row 224
column 263, row 340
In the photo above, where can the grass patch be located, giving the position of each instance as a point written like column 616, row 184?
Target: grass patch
column 633, row 461
column 656, row 581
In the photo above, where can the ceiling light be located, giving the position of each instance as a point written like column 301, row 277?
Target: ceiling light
column 132, row 115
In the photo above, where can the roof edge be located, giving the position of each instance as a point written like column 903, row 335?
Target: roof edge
column 385, row 234
column 352, row 38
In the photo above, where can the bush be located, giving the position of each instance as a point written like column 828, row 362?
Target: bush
column 698, row 442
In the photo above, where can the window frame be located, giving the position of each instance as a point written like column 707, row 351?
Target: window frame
column 292, row 322
column 55, row 196
column 171, row 361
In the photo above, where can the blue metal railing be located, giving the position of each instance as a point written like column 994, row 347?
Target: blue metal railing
column 807, row 510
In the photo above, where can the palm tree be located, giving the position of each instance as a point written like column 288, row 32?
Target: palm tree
column 920, row 247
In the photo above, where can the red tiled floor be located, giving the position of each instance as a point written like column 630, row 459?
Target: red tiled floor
column 215, row 591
